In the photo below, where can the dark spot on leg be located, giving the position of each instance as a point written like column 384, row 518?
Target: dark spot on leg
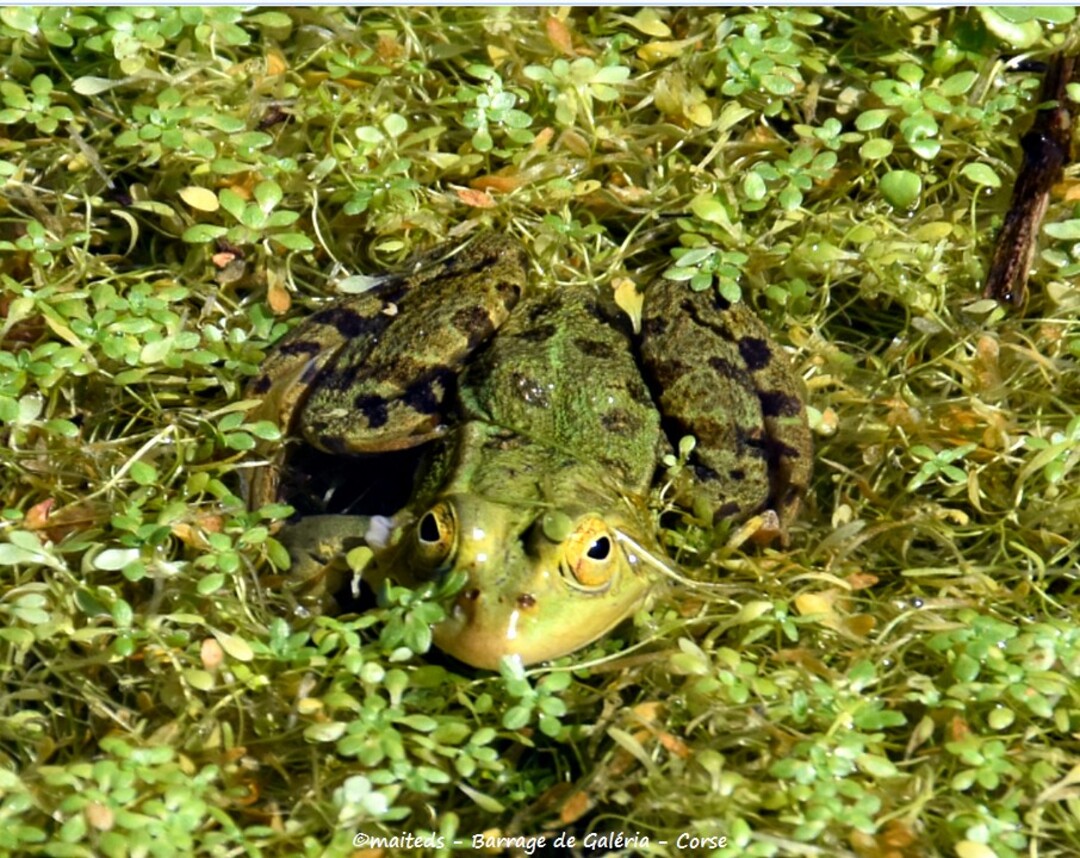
column 538, row 311
column 638, row 392
column 754, row 445
column 348, row 322
column 704, row 473
column 667, row 372
column 393, row 290
column 776, row 403
column 508, row 292
column 653, row 326
column 593, row 348
column 755, row 352
column 474, row 323
column 374, row 409
column 737, row 474
column 300, row 347
column 725, row 368
column 619, row 421
column 726, row 510
column 537, row 334
column 262, row 384
column 341, row 378
column 426, row 394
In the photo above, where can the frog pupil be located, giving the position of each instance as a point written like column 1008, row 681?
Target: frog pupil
column 429, row 528
column 600, row 549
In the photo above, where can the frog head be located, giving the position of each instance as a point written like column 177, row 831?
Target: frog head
column 541, row 581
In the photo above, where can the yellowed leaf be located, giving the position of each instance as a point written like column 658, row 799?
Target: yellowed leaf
column 1069, row 191
column 236, row 647
column 815, row 603
column 275, row 62
column 200, row 199
column 700, row 114
column 543, row 139
column 278, row 297
column 974, row 849
column 575, row 807
column 37, row 517
column 388, row 47
column 649, row 710
column 559, row 35
column 476, row 199
column 629, row 300
column 654, row 52
column 861, row 580
column 211, row 654
column 648, row 21
column 859, row 625
column 674, row 745
column 64, row 332
column 502, row 184
column 99, row 816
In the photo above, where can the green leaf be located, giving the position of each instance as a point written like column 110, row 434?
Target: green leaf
column 876, row 149
column 395, row 124
column 210, row 583
column 1067, row 230
column 294, row 241
column 1003, row 23
column 268, row 194
column 777, row 84
column 201, row 233
column 232, row 202
column 981, row 174
column 959, row 83
column 113, row 559
column 516, row 717
column 23, row 18
column 90, row 85
column 236, row 647
column 710, row 210
column 251, row 140
column 901, row 188
column 143, row 474
column 275, row 20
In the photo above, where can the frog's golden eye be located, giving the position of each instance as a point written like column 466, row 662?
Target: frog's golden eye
column 590, row 556
column 436, row 536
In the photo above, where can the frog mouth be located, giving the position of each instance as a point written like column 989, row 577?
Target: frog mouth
column 474, row 634
column 481, row 632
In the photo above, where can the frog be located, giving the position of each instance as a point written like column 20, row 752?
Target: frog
column 545, row 420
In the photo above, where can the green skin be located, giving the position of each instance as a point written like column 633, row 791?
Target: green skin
column 543, row 455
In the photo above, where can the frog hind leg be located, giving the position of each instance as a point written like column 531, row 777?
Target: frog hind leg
column 384, row 389
column 721, row 379
column 289, row 372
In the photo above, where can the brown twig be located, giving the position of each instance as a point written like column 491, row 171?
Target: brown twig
column 1046, row 152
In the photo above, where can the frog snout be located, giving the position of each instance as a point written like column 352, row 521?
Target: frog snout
column 471, row 603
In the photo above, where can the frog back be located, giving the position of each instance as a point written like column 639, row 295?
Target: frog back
column 562, row 372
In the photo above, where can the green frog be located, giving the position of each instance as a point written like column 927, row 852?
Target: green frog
column 546, row 419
